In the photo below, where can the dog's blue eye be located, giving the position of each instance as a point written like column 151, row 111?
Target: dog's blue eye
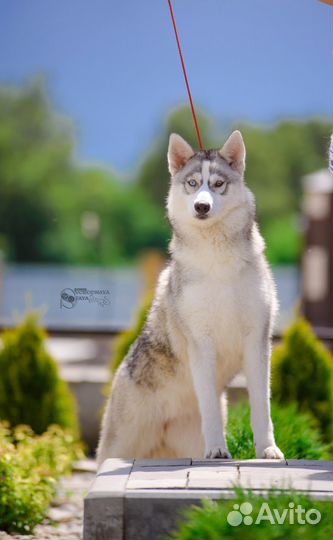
column 192, row 183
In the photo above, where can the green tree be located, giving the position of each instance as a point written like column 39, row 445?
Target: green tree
column 46, row 200
column 277, row 158
column 35, row 150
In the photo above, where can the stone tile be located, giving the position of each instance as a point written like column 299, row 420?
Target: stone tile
column 312, row 477
column 264, row 478
column 111, row 478
column 115, row 466
column 146, row 495
column 170, row 477
column 274, row 477
column 214, row 476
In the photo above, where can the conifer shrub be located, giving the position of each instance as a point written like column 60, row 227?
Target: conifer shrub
column 302, row 372
column 31, row 389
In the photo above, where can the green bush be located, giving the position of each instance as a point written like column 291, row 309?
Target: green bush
column 296, row 433
column 31, row 390
column 209, row 522
column 302, row 372
column 29, row 467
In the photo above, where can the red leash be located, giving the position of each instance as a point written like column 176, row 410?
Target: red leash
column 185, row 76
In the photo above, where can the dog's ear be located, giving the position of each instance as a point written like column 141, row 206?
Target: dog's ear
column 234, row 152
column 179, row 152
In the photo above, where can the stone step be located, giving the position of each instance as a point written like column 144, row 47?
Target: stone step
column 141, row 499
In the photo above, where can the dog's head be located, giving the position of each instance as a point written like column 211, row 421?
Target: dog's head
column 207, row 185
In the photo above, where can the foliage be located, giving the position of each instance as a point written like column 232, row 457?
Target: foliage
column 277, row 158
column 31, row 390
column 283, row 239
column 296, row 433
column 303, row 373
column 29, row 467
column 35, row 149
column 209, row 522
column 45, row 194
column 127, row 222
column 127, row 338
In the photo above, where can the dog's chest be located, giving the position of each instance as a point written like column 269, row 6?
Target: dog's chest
column 214, row 302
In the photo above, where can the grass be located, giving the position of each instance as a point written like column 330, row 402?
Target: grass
column 297, row 434
column 210, row 522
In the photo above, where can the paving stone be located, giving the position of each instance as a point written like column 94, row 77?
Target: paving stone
column 309, row 478
column 158, row 477
column 112, row 475
column 104, row 505
column 115, row 467
column 141, row 500
column 207, row 477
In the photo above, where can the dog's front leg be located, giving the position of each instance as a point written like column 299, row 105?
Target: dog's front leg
column 203, row 368
column 257, row 370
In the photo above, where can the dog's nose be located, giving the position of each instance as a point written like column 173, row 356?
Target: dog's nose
column 202, row 208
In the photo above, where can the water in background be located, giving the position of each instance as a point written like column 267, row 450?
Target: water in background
column 41, row 286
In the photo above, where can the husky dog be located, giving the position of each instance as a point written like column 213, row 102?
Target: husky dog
column 212, row 316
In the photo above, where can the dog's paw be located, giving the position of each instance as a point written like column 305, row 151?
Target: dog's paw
column 218, row 453
column 272, row 452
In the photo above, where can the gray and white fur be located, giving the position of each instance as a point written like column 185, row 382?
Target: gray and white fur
column 212, row 316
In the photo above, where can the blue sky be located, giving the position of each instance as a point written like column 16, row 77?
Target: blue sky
column 113, row 66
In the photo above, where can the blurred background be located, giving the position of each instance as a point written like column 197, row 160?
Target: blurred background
column 89, row 93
